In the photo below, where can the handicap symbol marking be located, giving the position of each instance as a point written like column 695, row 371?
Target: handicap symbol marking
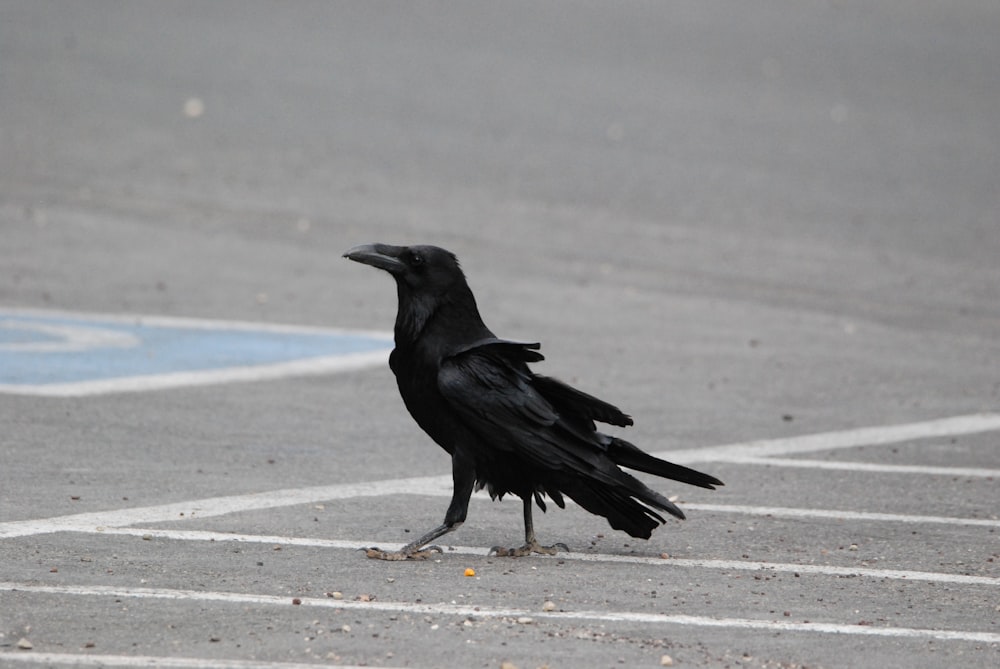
column 65, row 354
column 19, row 335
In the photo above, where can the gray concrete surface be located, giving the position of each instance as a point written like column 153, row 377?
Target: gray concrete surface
column 736, row 220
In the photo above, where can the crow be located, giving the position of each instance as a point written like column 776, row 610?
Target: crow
column 506, row 428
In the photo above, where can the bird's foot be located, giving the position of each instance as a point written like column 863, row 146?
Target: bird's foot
column 376, row 553
column 528, row 549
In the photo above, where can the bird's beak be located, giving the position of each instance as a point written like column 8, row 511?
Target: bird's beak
column 382, row 256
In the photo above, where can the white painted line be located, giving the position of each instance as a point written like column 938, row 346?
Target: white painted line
column 95, row 660
column 785, row 512
column 827, row 441
column 67, row 338
column 441, row 486
column 960, row 472
column 724, row 565
column 472, row 611
column 192, row 323
column 428, row 486
column 219, row 506
column 78, row 337
column 161, row 381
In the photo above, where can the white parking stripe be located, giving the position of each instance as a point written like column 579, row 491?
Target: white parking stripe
column 473, row 612
column 163, row 380
column 219, row 506
column 192, row 323
column 785, row 512
column 432, row 486
column 828, row 441
column 724, row 565
column 94, row 660
column 87, row 332
column 962, row 472
column 441, row 485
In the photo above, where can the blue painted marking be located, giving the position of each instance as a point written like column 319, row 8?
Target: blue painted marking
column 15, row 335
column 38, row 349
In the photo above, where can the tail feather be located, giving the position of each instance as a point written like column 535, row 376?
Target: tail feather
column 628, row 455
column 622, row 511
column 625, row 503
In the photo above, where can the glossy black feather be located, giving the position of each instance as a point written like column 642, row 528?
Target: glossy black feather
column 508, row 429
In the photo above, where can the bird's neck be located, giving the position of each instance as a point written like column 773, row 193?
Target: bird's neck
column 447, row 320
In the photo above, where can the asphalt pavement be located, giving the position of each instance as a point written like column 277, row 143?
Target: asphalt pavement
column 766, row 230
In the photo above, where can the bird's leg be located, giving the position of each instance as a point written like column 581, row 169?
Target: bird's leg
column 415, row 550
column 463, row 474
column 531, row 544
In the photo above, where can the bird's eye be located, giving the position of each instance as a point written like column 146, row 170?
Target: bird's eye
column 416, row 259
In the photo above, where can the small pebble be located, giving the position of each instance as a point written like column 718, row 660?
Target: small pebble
column 24, row 644
column 666, row 661
column 194, row 107
column 549, row 606
column 470, row 572
column 525, row 620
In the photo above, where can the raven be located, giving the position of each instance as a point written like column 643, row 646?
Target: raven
column 506, row 428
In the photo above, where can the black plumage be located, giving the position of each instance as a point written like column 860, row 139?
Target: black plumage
column 506, row 428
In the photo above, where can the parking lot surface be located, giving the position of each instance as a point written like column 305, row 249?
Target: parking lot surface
column 768, row 232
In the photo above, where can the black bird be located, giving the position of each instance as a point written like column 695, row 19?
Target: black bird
column 507, row 429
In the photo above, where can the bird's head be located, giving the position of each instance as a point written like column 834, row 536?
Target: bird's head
column 429, row 282
column 417, row 269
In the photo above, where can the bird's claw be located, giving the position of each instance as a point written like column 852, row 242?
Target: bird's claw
column 376, row 553
column 529, row 549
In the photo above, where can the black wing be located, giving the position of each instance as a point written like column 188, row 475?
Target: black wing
column 494, row 393
column 504, row 404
